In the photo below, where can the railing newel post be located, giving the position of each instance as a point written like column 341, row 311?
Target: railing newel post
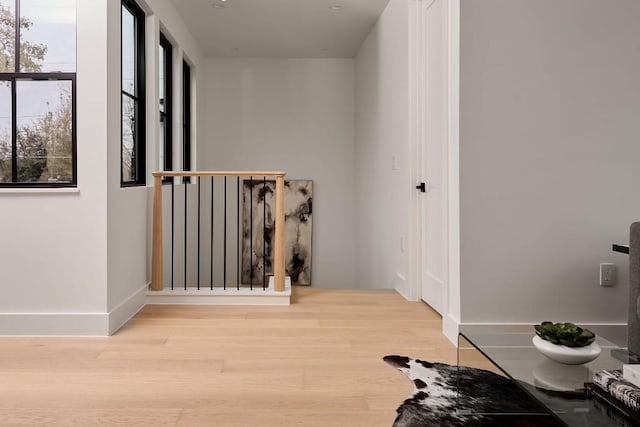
column 278, row 256
column 156, row 258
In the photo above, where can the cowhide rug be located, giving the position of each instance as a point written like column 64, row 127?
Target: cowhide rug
column 485, row 398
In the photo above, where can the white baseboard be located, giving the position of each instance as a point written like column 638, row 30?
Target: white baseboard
column 218, row 296
column 105, row 324
column 450, row 328
column 401, row 286
column 127, row 309
column 61, row 324
column 73, row 324
column 204, row 299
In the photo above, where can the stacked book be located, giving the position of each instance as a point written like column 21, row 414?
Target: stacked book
column 618, row 392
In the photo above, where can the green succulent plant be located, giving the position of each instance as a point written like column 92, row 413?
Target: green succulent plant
column 565, row 334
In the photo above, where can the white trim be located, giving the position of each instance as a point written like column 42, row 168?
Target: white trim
column 194, row 113
column 152, row 112
column 451, row 303
column 450, row 328
column 219, row 296
column 400, row 286
column 415, row 147
column 148, row 11
column 61, row 190
column 453, row 295
column 59, row 324
column 177, row 142
column 128, row 308
column 203, row 298
column 105, row 324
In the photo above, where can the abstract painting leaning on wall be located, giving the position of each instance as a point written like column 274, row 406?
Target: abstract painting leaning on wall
column 258, row 209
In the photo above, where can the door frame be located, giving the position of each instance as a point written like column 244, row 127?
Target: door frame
column 417, row 67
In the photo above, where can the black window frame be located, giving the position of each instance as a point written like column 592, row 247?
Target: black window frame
column 139, row 97
column 166, row 116
column 186, row 118
column 13, row 78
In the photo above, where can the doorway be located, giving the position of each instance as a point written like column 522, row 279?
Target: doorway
column 433, row 205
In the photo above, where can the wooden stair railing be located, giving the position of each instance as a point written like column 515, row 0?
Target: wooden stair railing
column 278, row 249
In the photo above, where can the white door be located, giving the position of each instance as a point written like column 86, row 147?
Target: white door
column 434, row 155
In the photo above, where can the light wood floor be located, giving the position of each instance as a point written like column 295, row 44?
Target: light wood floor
column 317, row 362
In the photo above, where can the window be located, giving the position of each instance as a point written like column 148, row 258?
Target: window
column 186, row 117
column 166, row 104
column 133, row 95
column 38, row 93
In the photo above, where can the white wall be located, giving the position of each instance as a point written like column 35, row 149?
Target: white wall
column 127, row 214
column 294, row 115
column 75, row 261
column 382, row 131
column 129, row 209
column 53, row 255
column 550, row 100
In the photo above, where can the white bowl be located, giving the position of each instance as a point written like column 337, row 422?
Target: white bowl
column 551, row 375
column 567, row 355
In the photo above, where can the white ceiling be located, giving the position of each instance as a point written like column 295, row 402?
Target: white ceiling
column 280, row 28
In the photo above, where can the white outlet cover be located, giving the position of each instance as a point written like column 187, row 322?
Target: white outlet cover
column 608, row 272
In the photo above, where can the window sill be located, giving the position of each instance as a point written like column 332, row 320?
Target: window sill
column 61, row 190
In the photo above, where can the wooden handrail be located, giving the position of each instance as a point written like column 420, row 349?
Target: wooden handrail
column 157, row 250
column 220, row 173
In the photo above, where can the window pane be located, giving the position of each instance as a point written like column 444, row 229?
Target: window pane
column 186, row 116
column 7, row 35
column 48, row 35
column 165, row 107
column 128, row 139
column 128, row 51
column 5, row 132
column 161, row 94
column 44, row 122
